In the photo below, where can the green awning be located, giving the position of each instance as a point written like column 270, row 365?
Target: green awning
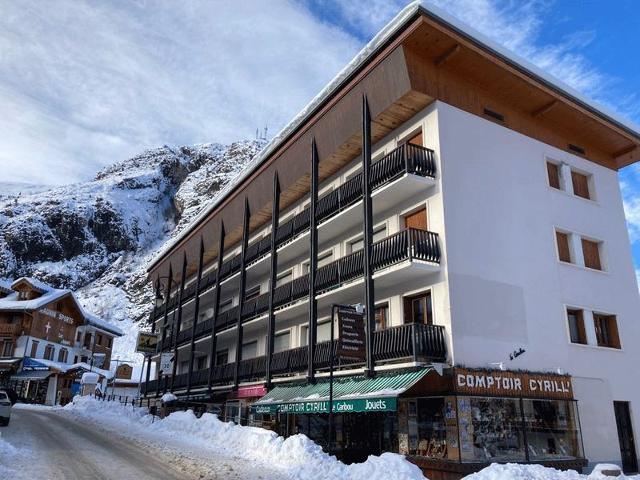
column 350, row 394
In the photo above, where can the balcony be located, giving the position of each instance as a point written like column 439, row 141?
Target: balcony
column 406, row 247
column 419, row 342
column 401, row 174
column 10, row 329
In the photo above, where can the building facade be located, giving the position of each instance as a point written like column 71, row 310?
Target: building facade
column 472, row 205
column 47, row 340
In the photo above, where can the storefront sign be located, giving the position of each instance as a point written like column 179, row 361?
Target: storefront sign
column 57, row 315
column 351, row 334
column 518, row 384
column 251, row 392
column 357, row 405
column 147, row 342
column 31, row 364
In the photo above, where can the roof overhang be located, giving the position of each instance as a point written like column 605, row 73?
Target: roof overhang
column 401, row 71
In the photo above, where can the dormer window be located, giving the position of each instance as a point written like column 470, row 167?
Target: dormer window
column 23, row 295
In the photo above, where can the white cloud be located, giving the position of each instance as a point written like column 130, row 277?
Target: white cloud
column 84, row 84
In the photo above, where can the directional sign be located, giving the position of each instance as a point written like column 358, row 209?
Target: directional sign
column 147, row 342
column 351, row 334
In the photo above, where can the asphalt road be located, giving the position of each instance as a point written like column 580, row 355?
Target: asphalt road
column 55, row 446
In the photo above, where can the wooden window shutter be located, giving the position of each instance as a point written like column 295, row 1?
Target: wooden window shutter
column 579, row 327
column 417, row 220
column 580, row 185
column 416, row 139
column 553, row 170
column 591, row 253
column 564, row 254
column 607, row 330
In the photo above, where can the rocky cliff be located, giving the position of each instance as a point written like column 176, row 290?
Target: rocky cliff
column 97, row 237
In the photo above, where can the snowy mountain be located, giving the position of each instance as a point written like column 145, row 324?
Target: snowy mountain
column 97, row 237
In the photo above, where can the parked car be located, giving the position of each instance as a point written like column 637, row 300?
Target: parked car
column 5, row 408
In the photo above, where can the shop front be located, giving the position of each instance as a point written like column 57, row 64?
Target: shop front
column 450, row 424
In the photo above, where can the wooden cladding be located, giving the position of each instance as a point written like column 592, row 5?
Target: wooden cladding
column 606, row 330
column 417, row 220
column 580, row 185
column 591, row 253
column 553, row 172
column 564, row 253
column 511, row 384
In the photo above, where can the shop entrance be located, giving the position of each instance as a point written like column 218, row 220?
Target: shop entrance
column 625, row 437
column 356, row 435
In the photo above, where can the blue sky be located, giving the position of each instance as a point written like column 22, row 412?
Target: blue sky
column 85, row 84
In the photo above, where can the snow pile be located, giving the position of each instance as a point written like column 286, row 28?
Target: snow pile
column 511, row 471
column 297, row 457
column 168, row 397
column 90, row 378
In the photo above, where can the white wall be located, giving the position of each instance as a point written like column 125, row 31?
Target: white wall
column 507, row 288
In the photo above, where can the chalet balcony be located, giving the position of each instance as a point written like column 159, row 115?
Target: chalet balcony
column 408, row 253
column 10, row 329
column 415, row 341
column 399, row 175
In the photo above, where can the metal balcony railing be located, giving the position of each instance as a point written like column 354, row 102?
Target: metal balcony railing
column 409, row 244
column 405, row 159
column 415, row 340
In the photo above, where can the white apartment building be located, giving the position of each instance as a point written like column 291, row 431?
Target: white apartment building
column 503, row 283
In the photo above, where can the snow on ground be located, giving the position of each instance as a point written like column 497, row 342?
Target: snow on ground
column 296, row 457
column 194, row 442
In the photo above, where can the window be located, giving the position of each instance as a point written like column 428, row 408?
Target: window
column 7, row 349
column 418, row 309
column 415, row 139
column 382, row 316
column 99, row 339
column 606, row 330
column 323, row 333
column 282, row 341
column 249, row 350
column 226, row 305
column 202, row 363
column 78, row 336
column 222, row 357
column 564, row 253
column 323, row 259
column 110, row 342
column 48, row 352
column 62, row 355
column 284, row 277
column 87, row 340
column 577, row 333
column 494, row 427
column 553, row 172
column 591, row 253
column 378, row 234
column 34, row 349
column 580, row 185
column 252, row 293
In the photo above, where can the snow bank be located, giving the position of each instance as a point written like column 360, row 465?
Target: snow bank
column 511, row 471
column 7, row 452
column 297, row 457
column 168, row 397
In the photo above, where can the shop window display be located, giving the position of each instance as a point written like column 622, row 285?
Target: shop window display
column 491, row 429
column 552, row 427
column 431, row 428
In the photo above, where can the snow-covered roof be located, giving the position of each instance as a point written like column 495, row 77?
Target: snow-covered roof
column 67, row 367
column 370, row 49
column 36, row 284
column 12, row 303
column 101, row 324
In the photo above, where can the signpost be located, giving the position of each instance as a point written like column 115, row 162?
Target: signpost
column 166, row 362
column 351, row 345
column 147, row 343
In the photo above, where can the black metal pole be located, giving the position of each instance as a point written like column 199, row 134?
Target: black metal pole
column 241, row 289
column 216, row 306
column 275, row 215
column 178, row 324
column 196, row 312
column 368, row 235
column 313, row 263
column 331, row 356
column 164, row 324
column 155, row 306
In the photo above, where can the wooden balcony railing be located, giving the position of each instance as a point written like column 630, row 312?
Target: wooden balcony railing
column 417, row 341
column 10, row 329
